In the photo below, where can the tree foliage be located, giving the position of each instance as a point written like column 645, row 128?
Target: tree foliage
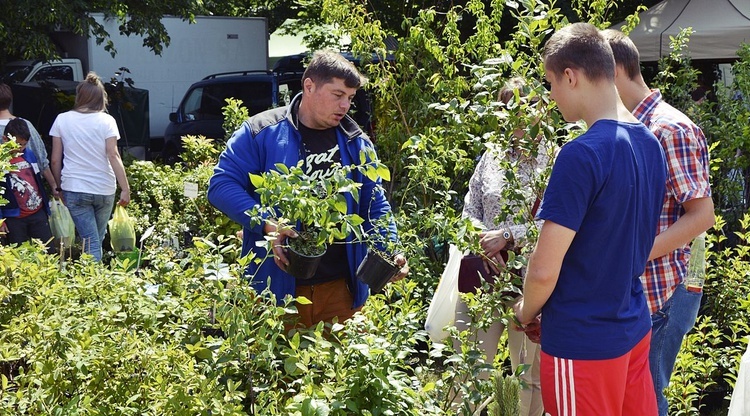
column 26, row 26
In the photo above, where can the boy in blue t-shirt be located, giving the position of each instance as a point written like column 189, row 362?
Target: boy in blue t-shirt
column 600, row 211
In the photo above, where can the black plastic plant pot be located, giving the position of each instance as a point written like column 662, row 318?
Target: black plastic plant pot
column 302, row 266
column 376, row 271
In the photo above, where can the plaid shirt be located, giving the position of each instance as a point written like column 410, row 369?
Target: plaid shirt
column 687, row 159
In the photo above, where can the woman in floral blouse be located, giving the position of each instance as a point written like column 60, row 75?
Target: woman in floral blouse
column 488, row 199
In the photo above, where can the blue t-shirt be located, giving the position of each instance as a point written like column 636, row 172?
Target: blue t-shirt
column 607, row 185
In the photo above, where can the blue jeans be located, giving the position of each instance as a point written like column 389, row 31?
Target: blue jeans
column 90, row 214
column 669, row 326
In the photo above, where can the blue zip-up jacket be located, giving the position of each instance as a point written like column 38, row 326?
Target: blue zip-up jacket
column 272, row 137
column 11, row 210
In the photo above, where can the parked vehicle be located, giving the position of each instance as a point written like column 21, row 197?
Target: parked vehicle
column 69, row 69
column 200, row 111
column 210, row 45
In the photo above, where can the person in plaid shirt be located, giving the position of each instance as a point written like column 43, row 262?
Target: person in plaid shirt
column 687, row 212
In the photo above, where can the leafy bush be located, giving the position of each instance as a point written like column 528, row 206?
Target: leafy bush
column 158, row 197
column 728, row 277
column 92, row 342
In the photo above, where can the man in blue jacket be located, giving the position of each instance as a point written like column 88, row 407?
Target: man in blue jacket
column 316, row 129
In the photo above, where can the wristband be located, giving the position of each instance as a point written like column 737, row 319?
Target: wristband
column 58, row 189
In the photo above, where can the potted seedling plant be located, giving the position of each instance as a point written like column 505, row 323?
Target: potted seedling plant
column 379, row 265
column 316, row 208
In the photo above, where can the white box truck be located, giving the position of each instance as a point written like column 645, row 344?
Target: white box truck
column 208, row 46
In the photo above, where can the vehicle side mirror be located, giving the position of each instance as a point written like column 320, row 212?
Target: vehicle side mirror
column 173, row 117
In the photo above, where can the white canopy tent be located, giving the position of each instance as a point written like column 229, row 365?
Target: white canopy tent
column 720, row 26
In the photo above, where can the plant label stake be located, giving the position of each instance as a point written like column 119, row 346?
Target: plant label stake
column 146, row 234
column 191, row 192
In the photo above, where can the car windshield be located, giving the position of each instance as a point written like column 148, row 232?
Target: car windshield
column 206, row 103
column 11, row 74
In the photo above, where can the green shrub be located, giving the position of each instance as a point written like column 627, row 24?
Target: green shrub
column 92, row 342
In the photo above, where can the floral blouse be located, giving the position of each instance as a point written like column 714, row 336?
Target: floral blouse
column 485, row 200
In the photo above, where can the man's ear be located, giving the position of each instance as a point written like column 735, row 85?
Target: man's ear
column 308, row 85
column 618, row 71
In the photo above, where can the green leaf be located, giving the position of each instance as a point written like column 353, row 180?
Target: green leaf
column 202, row 353
column 257, row 180
column 282, row 168
column 340, row 204
column 371, row 173
column 384, row 172
column 303, row 300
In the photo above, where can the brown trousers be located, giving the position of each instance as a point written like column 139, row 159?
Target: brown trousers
column 329, row 300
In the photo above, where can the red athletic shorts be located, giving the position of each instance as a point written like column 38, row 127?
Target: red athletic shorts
column 620, row 386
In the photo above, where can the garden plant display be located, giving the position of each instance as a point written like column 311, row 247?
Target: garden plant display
column 102, row 338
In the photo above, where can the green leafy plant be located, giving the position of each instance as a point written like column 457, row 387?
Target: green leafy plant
column 234, row 115
column 507, row 390
column 6, row 152
column 316, row 207
column 159, row 200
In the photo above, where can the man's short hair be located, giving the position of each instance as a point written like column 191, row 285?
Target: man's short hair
column 580, row 46
column 17, row 128
column 327, row 64
column 625, row 52
column 6, row 96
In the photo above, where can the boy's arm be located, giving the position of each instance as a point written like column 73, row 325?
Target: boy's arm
column 698, row 217
column 543, row 270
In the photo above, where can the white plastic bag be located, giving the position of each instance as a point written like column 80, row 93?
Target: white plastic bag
column 740, row 404
column 442, row 310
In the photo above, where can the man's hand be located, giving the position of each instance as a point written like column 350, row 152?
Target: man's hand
column 400, row 261
column 534, row 331
column 279, row 236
